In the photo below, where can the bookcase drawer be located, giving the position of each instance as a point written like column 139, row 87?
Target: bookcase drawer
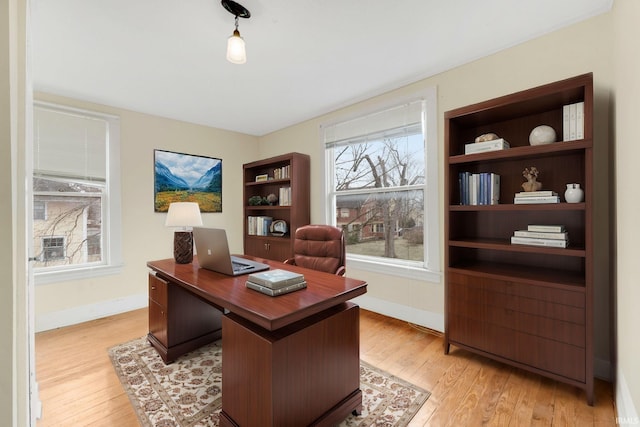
column 544, row 327
column 542, row 293
column 549, row 355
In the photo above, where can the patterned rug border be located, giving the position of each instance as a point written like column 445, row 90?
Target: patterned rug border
column 374, row 392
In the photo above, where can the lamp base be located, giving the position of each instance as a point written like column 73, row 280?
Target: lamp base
column 183, row 247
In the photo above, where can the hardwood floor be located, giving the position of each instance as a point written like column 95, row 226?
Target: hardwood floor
column 78, row 386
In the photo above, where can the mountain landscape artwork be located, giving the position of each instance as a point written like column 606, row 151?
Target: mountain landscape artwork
column 180, row 177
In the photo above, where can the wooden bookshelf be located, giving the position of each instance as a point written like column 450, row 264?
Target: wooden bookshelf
column 287, row 177
column 528, row 306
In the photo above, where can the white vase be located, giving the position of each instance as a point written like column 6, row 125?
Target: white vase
column 573, row 193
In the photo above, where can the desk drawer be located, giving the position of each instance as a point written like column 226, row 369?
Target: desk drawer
column 158, row 290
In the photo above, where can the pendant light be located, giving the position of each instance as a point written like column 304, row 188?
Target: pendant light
column 236, row 52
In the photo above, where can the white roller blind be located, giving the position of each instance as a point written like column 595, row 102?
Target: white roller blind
column 67, row 144
column 391, row 122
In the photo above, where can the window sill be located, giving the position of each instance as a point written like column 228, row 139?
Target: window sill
column 46, row 277
column 392, row 269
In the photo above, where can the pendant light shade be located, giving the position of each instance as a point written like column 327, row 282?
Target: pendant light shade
column 236, row 50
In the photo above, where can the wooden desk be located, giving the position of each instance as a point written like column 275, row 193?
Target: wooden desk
column 291, row 360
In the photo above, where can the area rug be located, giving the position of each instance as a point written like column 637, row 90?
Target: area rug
column 188, row 392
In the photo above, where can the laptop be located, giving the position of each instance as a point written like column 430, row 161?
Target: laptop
column 213, row 253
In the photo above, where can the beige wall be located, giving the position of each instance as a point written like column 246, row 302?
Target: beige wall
column 627, row 266
column 144, row 236
column 581, row 48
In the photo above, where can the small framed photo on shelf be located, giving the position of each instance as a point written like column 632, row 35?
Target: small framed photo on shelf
column 263, row 177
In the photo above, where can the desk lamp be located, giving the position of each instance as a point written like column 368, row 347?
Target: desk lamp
column 183, row 215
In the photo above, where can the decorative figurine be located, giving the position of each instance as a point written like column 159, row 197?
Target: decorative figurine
column 532, row 184
column 272, row 199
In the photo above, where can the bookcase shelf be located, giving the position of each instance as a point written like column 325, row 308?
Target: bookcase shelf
column 529, row 306
column 261, row 179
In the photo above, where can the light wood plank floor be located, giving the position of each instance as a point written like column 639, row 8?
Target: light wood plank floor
column 78, row 386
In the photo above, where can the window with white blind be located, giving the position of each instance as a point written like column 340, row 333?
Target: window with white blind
column 76, row 193
column 382, row 187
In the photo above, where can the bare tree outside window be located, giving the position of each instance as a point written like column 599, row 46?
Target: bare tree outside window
column 70, row 230
column 380, row 182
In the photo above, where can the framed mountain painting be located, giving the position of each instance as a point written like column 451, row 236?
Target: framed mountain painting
column 181, row 177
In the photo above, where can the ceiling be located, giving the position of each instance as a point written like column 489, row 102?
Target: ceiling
column 305, row 57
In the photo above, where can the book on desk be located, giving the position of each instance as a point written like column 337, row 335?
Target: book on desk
column 276, row 282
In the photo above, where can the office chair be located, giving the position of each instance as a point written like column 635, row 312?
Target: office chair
column 319, row 247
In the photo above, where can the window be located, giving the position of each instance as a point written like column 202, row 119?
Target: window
column 382, row 187
column 76, row 193
column 52, row 248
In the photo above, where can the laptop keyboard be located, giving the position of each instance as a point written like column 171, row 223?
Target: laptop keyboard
column 237, row 266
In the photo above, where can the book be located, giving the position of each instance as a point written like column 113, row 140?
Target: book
column 494, row 189
column 550, row 228
column 573, row 121
column 479, row 188
column 542, row 234
column 482, row 147
column 580, row 120
column 545, row 193
column 536, row 199
column 539, row 242
column 276, row 278
column 275, row 292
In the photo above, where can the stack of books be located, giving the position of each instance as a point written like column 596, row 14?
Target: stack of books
column 258, row 225
column 285, row 196
column 276, row 282
column 485, row 146
column 479, row 188
column 532, row 197
column 553, row 236
column 573, row 121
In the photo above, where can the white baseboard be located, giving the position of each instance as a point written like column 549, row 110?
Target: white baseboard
column 626, row 410
column 75, row 315
column 427, row 319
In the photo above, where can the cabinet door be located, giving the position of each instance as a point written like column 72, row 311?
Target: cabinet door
column 158, row 322
column 275, row 249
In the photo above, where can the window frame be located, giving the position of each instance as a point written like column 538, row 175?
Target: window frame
column 430, row 269
column 111, row 201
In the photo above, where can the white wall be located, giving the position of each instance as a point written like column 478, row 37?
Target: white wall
column 144, row 235
column 627, row 155
column 581, row 48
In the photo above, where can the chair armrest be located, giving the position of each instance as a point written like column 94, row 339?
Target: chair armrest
column 341, row 271
column 290, row 261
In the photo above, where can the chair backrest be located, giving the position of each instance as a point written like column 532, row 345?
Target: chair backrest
column 320, row 247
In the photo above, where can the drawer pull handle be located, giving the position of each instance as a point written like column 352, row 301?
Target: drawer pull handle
column 153, row 288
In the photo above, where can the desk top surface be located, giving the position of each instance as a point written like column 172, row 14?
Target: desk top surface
column 323, row 291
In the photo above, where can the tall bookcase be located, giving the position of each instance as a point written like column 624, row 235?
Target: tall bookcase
column 528, row 306
column 287, row 177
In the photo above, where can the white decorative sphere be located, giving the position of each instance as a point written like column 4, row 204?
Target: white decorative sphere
column 541, row 135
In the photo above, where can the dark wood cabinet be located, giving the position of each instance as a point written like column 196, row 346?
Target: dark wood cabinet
column 178, row 320
column 287, row 178
column 529, row 306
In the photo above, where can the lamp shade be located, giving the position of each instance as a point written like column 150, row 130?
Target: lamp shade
column 183, row 214
column 236, row 52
